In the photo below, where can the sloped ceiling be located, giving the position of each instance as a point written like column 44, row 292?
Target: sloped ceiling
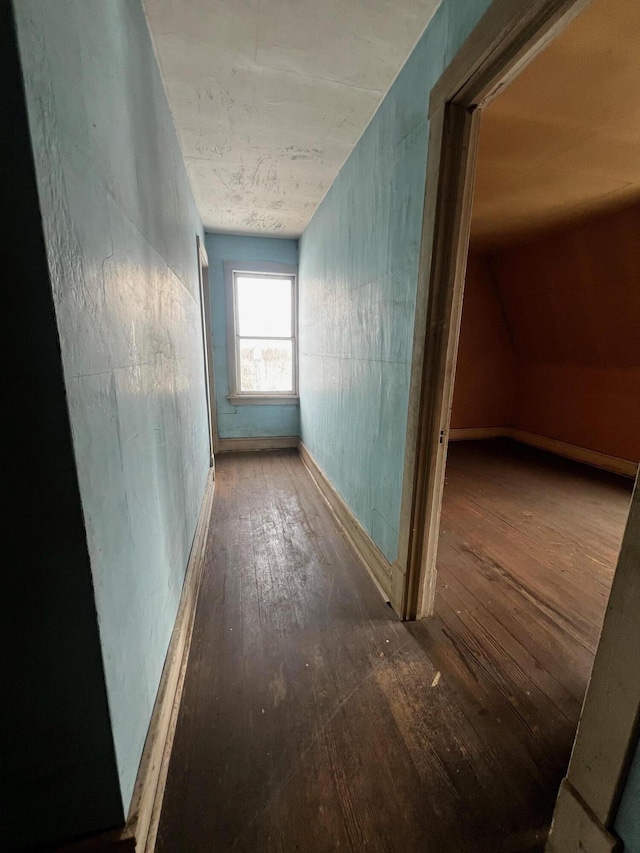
column 563, row 141
column 270, row 96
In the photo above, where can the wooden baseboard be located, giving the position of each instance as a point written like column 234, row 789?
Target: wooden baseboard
column 275, row 442
column 579, row 454
column 477, row 433
column 397, row 589
column 575, row 829
column 374, row 560
column 144, row 813
column 553, row 445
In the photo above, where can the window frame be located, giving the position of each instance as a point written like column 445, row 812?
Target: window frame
column 263, row 269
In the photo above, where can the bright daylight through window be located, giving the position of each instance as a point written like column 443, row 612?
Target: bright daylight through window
column 265, row 334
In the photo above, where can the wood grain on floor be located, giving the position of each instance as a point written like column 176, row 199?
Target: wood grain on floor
column 313, row 720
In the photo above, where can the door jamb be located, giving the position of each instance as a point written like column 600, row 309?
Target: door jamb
column 207, row 343
column 509, row 36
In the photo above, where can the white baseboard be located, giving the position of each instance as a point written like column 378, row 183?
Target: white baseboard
column 146, row 804
column 575, row 829
column 372, row 557
column 275, row 442
column 553, row 445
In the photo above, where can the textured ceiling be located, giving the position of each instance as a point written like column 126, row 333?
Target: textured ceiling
column 563, row 141
column 270, row 96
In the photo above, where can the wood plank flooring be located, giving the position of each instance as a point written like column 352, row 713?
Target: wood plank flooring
column 313, row 720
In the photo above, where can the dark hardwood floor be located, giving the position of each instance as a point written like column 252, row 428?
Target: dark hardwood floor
column 313, row 720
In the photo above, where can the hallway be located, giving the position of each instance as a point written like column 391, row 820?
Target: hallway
column 313, row 720
column 241, row 229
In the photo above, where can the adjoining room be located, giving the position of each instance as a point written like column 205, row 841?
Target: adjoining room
column 545, row 421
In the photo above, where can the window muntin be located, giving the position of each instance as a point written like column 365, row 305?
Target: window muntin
column 264, row 330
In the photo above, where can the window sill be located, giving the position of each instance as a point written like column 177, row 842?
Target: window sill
column 263, row 399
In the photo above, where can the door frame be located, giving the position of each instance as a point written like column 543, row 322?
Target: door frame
column 509, row 36
column 207, row 345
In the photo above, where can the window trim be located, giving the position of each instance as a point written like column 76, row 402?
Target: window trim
column 232, row 269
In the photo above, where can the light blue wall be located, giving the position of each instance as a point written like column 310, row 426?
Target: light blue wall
column 244, row 421
column 58, row 771
column 358, row 277
column 120, row 226
column 627, row 822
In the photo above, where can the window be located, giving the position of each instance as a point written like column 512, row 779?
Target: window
column 261, row 305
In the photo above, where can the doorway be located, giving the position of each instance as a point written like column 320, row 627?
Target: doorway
column 520, row 208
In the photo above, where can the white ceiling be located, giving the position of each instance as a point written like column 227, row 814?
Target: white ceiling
column 270, row 96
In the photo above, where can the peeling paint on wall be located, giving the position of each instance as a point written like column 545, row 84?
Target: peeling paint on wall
column 244, row 421
column 120, row 225
column 358, row 277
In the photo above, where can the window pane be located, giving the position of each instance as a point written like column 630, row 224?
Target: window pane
column 264, row 307
column 266, row 366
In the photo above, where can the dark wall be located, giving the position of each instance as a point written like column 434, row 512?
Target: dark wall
column 58, row 762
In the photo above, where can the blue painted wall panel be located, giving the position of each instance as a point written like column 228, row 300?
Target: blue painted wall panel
column 627, row 822
column 244, row 421
column 358, row 277
column 120, row 225
column 55, row 714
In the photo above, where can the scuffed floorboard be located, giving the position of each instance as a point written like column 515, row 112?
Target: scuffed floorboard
column 312, row 720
